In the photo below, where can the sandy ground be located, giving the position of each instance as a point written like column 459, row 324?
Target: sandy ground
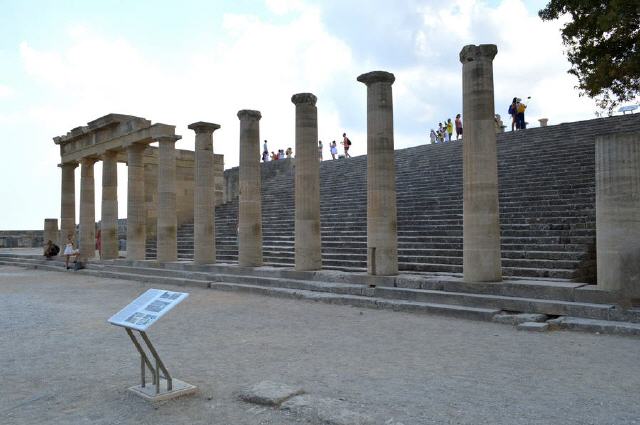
column 62, row 363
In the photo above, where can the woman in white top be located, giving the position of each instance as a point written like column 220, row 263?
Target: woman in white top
column 69, row 251
column 334, row 149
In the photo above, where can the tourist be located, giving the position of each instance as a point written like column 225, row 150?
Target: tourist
column 512, row 112
column 99, row 242
column 346, row 143
column 433, row 137
column 273, row 156
column 458, row 127
column 264, row 147
column 289, row 153
column 265, row 156
column 333, row 149
column 281, row 154
column 449, row 129
column 70, row 251
column 320, row 149
column 520, row 108
column 51, row 250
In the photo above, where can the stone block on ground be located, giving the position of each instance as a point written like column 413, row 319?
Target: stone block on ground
column 518, row 318
column 326, row 411
column 269, row 393
column 533, row 327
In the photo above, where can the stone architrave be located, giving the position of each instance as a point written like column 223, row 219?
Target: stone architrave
column 481, row 215
column 67, row 203
column 50, row 230
column 308, row 243
column 618, row 214
column 109, row 217
column 382, row 222
column 250, row 204
column 136, row 211
column 167, row 243
column 87, row 210
column 204, row 202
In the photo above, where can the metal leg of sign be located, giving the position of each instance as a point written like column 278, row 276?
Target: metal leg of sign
column 144, row 360
column 174, row 387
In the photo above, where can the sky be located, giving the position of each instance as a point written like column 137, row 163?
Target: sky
column 64, row 63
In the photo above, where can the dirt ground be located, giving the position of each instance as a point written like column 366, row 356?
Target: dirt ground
column 62, row 363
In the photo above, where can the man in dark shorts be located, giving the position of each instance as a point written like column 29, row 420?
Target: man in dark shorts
column 347, row 144
column 458, row 127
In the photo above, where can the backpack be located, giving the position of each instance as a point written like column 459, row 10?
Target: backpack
column 511, row 110
column 55, row 250
column 348, row 142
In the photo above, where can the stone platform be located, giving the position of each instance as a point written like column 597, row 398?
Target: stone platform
column 565, row 304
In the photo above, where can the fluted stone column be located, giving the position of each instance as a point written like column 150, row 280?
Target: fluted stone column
column 136, row 211
column 308, row 244
column 204, row 203
column 250, row 208
column 618, row 214
column 50, row 230
column 382, row 222
column 167, row 246
column 67, row 202
column 87, row 210
column 109, row 216
column 481, row 215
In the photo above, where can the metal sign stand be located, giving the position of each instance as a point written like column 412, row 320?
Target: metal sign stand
column 173, row 387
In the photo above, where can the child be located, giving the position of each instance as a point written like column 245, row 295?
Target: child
column 70, row 251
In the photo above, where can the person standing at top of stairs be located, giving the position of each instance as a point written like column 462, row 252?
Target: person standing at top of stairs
column 347, row 144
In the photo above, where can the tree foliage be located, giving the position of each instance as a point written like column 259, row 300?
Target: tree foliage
column 603, row 41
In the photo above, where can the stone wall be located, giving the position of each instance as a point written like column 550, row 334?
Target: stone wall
column 21, row 238
column 268, row 170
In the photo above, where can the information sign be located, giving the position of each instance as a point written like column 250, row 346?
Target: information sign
column 145, row 310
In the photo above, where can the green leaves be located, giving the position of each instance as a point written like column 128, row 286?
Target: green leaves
column 603, row 47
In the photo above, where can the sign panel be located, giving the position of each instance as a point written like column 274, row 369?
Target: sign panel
column 145, row 310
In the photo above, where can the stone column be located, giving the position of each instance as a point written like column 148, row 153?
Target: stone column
column 50, row 230
column 67, row 203
column 382, row 222
column 481, row 216
column 87, row 210
column 250, row 205
column 136, row 211
column 167, row 245
column 308, row 244
column 618, row 214
column 204, row 205
column 109, row 217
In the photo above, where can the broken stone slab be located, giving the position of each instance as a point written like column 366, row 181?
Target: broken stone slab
column 596, row 326
column 326, row 411
column 518, row 318
column 533, row 327
column 269, row 393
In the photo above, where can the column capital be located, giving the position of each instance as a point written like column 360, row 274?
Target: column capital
column 72, row 164
column 304, row 98
column 89, row 160
column 248, row 114
column 377, row 77
column 203, row 127
column 108, row 155
column 167, row 138
column 471, row 52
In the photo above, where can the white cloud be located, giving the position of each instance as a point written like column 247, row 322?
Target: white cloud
column 5, row 91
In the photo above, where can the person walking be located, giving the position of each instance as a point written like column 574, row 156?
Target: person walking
column 458, row 127
column 346, row 144
column 333, row 149
column 320, row 149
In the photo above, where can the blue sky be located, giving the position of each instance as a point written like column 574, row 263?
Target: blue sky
column 64, row 63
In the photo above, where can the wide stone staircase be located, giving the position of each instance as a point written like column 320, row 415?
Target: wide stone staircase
column 547, row 205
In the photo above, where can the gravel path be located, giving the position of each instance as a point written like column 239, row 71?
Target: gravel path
column 62, row 363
